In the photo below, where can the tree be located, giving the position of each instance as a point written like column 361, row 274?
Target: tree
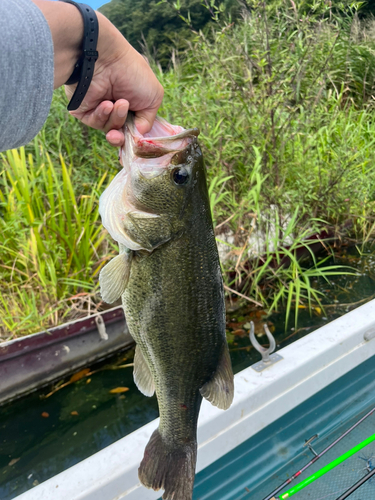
column 159, row 24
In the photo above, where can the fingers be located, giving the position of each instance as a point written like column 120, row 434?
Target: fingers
column 109, row 117
column 115, row 123
column 106, row 116
column 122, row 79
column 115, row 138
column 96, row 118
column 144, row 119
column 118, row 116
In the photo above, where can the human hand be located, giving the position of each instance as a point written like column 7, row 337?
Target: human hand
column 122, row 80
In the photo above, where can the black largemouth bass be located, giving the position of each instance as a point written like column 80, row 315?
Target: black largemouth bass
column 168, row 274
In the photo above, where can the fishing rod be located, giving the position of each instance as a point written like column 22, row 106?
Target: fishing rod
column 325, row 469
column 356, row 485
column 271, row 496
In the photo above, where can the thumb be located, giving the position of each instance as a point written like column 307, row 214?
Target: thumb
column 144, row 119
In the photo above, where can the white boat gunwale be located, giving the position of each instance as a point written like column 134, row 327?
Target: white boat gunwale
column 309, row 365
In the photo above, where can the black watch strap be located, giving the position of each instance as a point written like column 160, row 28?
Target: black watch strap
column 84, row 68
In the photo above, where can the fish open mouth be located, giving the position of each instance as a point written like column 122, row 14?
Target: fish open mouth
column 149, row 154
column 162, row 139
column 153, row 151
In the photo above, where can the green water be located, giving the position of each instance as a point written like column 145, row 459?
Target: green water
column 47, row 445
column 34, row 447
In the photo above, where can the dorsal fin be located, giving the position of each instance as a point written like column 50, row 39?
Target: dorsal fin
column 219, row 390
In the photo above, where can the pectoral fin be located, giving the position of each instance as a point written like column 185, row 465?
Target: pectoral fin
column 148, row 230
column 142, row 374
column 219, row 390
column 114, row 277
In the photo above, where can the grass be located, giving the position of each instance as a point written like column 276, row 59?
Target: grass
column 285, row 105
column 284, row 101
column 53, row 244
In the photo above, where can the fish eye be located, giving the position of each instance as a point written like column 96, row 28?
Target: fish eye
column 180, row 176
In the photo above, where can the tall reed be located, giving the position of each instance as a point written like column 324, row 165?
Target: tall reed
column 284, row 101
column 53, row 243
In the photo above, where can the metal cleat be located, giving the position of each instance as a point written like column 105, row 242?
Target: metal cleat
column 268, row 358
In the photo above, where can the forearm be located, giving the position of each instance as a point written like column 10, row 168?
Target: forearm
column 26, row 77
column 66, row 25
column 41, row 43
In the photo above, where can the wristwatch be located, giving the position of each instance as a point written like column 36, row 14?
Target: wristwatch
column 84, row 68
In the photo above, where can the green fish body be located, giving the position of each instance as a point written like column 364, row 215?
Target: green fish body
column 168, row 274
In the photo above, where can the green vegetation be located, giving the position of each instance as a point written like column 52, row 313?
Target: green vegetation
column 53, row 245
column 284, row 101
column 285, row 108
column 164, row 25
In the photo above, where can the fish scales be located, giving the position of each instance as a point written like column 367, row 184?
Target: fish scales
column 168, row 274
column 181, row 339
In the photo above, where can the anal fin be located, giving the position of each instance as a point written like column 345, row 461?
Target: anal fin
column 142, row 374
column 114, row 277
column 219, row 390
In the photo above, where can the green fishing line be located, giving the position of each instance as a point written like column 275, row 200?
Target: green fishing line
column 327, row 468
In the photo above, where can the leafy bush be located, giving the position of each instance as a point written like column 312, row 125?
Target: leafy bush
column 284, row 102
column 293, row 92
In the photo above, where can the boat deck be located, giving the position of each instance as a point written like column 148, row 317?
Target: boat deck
column 324, row 383
column 259, row 465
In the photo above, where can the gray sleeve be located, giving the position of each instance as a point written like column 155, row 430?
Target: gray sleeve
column 26, row 72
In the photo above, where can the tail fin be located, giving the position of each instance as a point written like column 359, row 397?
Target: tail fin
column 170, row 467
